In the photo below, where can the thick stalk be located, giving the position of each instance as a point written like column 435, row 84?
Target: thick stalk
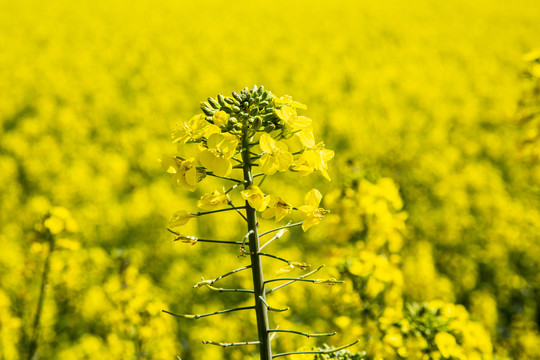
column 256, row 265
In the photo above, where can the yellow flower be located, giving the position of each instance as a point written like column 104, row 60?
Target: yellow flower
column 255, row 198
column 311, row 211
column 181, row 217
column 276, row 156
column 220, row 149
column 287, row 99
column 276, row 207
column 185, row 172
column 289, row 117
column 306, row 137
column 393, row 338
column 193, row 129
column 220, row 118
column 314, row 159
column 446, row 343
column 212, row 201
column 60, row 220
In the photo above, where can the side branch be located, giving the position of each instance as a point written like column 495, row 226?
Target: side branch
column 277, row 236
column 226, row 290
column 231, row 344
column 224, row 177
column 298, row 264
column 302, row 333
column 316, row 352
column 290, row 282
column 210, row 282
column 198, row 316
column 331, row 281
column 281, row 227
column 272, row 308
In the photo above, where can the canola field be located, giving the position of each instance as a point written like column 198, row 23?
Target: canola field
column 432, row 110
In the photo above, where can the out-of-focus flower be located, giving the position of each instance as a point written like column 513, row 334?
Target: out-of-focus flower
column 60, row 220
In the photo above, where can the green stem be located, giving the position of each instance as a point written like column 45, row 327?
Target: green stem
column 33, row 346
column 261, row 310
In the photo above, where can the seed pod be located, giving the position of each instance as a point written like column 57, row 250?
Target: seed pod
column 237, row 97
column 221, row 100
column 207, row 111
column 257, row 122
column 214, row 103
column 269, row 128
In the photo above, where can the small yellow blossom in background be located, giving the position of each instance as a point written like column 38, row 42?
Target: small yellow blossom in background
column 446, row 343
column 277, row 208
column 255, row 197
column 220, row 148
column 60, row 220
column 311, row 211
column 276, row 156
column 213, row 201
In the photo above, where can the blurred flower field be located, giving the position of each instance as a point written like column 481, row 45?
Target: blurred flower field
column 432, row 109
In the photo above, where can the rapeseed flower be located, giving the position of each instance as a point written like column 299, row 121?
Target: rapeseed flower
column 216, row 156
column 185, row 172
column 220, row 118
column 212, row 201
column 311, row 211
column 288, row 116
column 181, row 217
column 193, row 130
column 276, row 156
column 255, row 198
column 313, row 159
column 277, row 208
